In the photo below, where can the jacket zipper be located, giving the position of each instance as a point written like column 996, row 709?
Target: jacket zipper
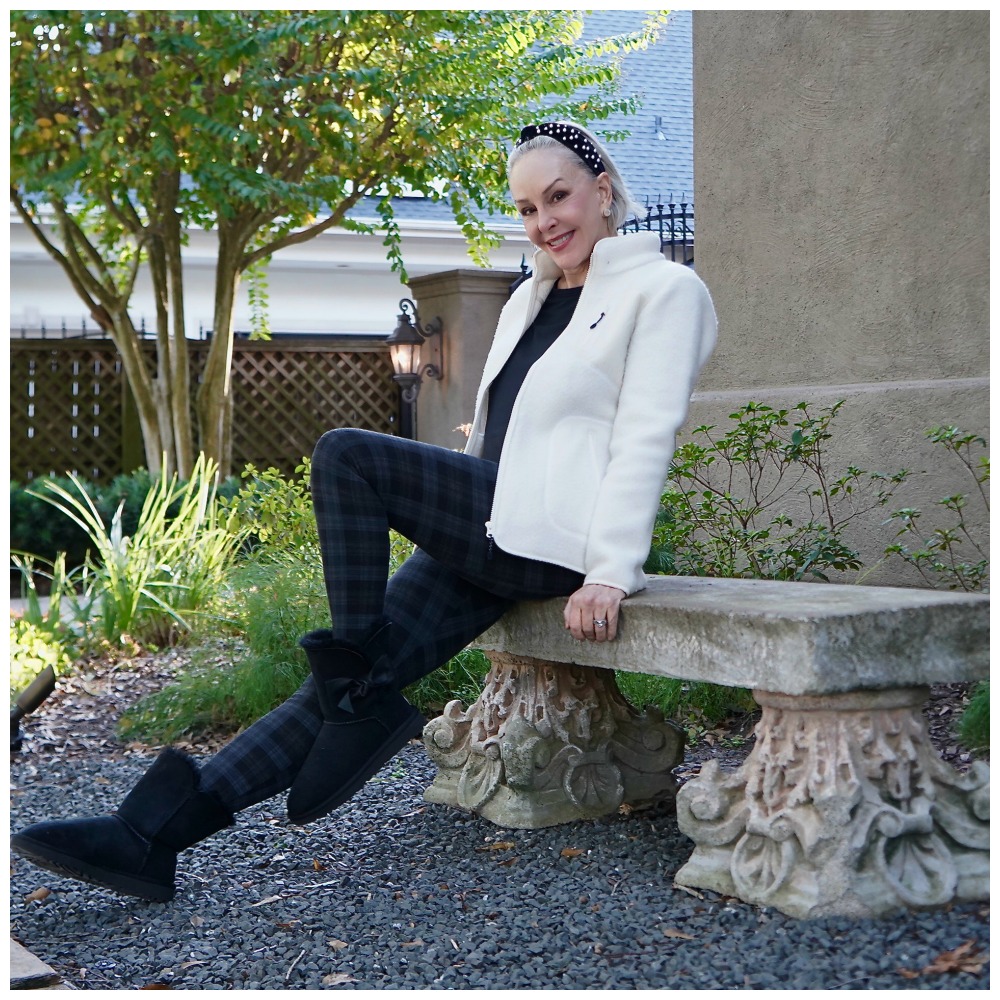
column 489, row 523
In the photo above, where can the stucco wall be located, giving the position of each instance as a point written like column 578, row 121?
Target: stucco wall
column 841, row 178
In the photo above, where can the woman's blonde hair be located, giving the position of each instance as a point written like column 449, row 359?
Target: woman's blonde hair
column 623, row 205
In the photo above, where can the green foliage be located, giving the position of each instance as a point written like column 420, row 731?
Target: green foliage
column 974, row 727
column 271, row 603
column 692, row 703
column 34, row 529
column 143, row 584
column 758, row 501
column 32, row 649
column 51, row 629
column 275, row 512
column 460, row 678
column 950, row 556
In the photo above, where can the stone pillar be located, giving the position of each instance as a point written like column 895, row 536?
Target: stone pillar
column 842, row 195
column 469, row 303
column 550, row 743
column 843, row 808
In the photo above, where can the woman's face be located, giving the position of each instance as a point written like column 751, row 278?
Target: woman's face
column 561, row 204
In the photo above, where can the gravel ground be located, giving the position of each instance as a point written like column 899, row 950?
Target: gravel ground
column 389, row 892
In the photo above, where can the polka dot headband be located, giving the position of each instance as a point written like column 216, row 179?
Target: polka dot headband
column 570, row 137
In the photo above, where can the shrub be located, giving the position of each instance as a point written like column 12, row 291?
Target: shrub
column 272, row 602
column 275, row 512
column 145, row 583
column 32, row 649
column 974, row 726
column 950, row 556
column 33, row 528
column 758, row 501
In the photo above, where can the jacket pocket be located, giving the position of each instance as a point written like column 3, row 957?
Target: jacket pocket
column 577, row 459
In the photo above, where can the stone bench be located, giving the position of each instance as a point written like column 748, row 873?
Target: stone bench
column 842, row 807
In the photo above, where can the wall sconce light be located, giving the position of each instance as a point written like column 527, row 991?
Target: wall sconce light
column 408, row 367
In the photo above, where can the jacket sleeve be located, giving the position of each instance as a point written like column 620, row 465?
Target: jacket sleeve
column 674, row 334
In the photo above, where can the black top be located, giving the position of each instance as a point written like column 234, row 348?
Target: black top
column 552, row 319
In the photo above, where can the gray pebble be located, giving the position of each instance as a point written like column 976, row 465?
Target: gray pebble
column 404, row 884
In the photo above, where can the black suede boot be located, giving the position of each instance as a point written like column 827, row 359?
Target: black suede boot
column 364, row 724
column 134, row 850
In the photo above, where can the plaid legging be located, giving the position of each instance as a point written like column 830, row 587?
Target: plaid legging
column 450, row 590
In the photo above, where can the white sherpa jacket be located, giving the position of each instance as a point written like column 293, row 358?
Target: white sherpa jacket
column 593, row 427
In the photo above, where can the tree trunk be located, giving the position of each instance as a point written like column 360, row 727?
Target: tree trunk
column 179, row 372
column 214, row 400
column 144, row 390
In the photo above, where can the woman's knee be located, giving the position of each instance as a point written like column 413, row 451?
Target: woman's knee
column 334, row 445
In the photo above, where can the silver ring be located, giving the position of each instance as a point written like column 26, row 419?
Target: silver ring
column 600, row 623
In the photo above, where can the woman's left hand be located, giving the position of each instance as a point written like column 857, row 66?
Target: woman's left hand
column 592, row 612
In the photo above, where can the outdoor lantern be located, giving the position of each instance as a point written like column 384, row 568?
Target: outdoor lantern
column 408, row 367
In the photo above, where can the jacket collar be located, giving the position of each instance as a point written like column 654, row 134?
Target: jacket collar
column 610, row 255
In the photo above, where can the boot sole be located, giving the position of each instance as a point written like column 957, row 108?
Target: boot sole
column 411, row 729
column 74, row 868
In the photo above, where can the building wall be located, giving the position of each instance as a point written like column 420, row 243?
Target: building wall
column 841, row 179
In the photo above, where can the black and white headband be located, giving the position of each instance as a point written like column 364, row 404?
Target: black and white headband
column 569, row 136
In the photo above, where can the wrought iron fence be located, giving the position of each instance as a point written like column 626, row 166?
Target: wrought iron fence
column 674, row 221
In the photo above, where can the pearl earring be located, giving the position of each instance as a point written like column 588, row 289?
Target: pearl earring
column 607, row 213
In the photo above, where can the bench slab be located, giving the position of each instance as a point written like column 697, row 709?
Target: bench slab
column 796, row 638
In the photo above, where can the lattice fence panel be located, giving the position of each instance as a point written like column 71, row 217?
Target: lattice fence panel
column 68, row 414
column 284, row 399
column 65, row 409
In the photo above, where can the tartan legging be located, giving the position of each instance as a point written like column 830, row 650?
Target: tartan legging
column 450, row 590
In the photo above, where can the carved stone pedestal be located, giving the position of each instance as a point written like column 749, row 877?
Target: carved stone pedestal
column 842, row 808
column 549, row 743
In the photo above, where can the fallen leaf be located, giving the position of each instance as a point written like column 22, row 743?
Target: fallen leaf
column 908, row 973
column 337, row 979
column 966, row 957
column 197, row 921
column 625, row 809
column 336, row 944
column 317, row 867
column 270, row 899
column 156, row 986
column 415, row 943
column 672, row 932
column 192, row 963
column 38, row 895
column 287, row 925
column 500, row 845
column 507, row 862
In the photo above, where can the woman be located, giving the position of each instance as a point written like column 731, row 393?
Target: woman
column 587, row 381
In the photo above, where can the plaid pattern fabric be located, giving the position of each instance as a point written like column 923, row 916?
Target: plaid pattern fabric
column 449, row 591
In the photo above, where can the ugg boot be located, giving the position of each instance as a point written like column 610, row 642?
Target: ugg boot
column 364, row 724
column 134, row 850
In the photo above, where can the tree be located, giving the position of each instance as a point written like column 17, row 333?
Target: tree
column 268, row 127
